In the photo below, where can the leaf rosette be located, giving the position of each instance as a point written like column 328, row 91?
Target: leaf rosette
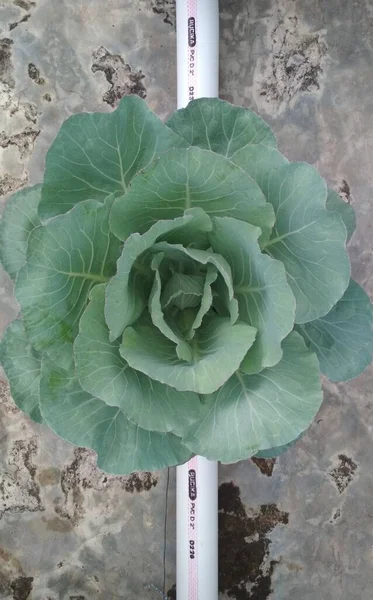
column 180, row 286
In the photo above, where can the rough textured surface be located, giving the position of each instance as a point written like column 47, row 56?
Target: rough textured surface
column 123, row 81
column 167, row 9
column 244, row 564
column 300, row 528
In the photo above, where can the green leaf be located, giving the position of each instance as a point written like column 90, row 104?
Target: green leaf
column 308, row 239
column 217, row 349
column 264, row 297
column 259, row 162
column 274, row 452
column 343, row 339
column 264, row 165
column 251, row 413
column 224, row 304
column 84, row 420
column 127, row 293
column 103, row 373
column 95, row 154
column 334, row 203
column 183, row 178
column 18, row 220
column 219, row 126
column 183, row 290
column 158, row 318
column 206, row 257
column 21, row 364
column 66, row 257
column 206, row 301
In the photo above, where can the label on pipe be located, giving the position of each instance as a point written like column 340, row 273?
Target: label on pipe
column 192, row 54
column 192, row 529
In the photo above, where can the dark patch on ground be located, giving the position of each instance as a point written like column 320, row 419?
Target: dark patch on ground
column 47, row 98
column 83, row 474
column 24, row 140
column 343, row 474
column 6, row 400
column 34, row 74
column 25, row 4
column 6, row 556
column 245, row 570
column 30, row 111
column 71, row 488
column 296, row 65
column 166, row 8
column 28, row 452
column 171, row 594
column 265, row 465
column 345, row 191
column 140, row 482
column 8, row 184
column 336, row 515
column 123, row 81
column 49, row 476
column 23, row 20
column 22, row 587
column 10, row 570
column 292, row 566
column 58, row 525
column 23, row 480
column 6, row 65
column 76, row 597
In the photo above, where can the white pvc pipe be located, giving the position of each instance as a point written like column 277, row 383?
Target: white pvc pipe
column 197, row 24
column 197, row 530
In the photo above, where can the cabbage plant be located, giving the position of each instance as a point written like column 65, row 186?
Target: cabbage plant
column 181, row 287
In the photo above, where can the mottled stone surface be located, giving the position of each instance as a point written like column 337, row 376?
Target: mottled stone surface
column 300, row 528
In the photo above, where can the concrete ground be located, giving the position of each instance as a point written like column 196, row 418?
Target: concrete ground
column 299, row 528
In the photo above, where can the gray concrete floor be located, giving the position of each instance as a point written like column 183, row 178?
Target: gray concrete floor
column 299, row 528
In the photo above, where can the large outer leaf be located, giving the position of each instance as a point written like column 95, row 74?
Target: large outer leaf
column 127, row 293
column 262, row 163
column 308, row 239
column 334, row 203
column 218, row 349
column 274, row 452
column 256, row 412
column 95, row 154
column 219, row 126
column 183, row 178
column 264, row 297
column 343, row 339
column 19, row 218
column 81, row 419
column 103, row 373
column 66, row 257
column 259, row 162
column 21, row 364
